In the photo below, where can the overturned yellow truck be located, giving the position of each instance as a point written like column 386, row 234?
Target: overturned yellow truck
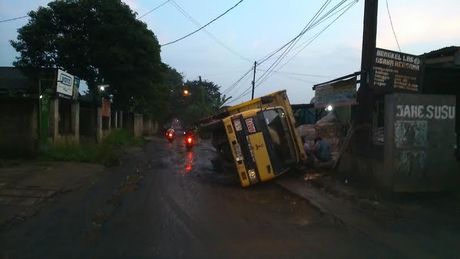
column 256, row 139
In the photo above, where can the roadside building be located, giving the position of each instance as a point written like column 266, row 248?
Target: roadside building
column 18, row 113
column 414, row 128
column 38, row 107
column 441, row 75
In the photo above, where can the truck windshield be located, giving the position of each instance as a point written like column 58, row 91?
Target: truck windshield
column 275, row 120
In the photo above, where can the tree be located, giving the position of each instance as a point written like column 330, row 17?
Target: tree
column 204, row 100
column 100, row 41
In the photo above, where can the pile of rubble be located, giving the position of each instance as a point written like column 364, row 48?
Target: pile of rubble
column 329, row 129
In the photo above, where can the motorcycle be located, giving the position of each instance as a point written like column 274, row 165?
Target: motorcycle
column 189, row 141
column 170, row 135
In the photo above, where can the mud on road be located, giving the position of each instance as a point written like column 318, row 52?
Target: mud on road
column 165, row 202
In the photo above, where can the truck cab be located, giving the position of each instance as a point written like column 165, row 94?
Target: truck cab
column 258, row 137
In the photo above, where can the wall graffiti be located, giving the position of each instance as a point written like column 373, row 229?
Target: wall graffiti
column 411, row 134
column 411, row 161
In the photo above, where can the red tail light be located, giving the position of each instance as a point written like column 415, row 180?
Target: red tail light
column 170, row 134
column 189, row 140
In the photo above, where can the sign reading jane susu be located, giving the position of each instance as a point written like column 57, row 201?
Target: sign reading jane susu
column 437, row 112
column 396, row 70
column 65, row 83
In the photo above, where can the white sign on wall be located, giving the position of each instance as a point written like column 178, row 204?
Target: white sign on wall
column 65, row 83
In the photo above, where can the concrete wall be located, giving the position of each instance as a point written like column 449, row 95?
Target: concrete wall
column 134, row 123
column 150, row 127
column 87, row 124
column 128, row 121
column 64, row 121
column 138, row 125
column 18, row 127
column 420, row 142
column 419, row 147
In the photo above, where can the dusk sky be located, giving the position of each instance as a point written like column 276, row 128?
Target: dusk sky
column 256, row 28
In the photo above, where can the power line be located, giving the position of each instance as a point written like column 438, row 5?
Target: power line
column 188, row 16
column 330, row 14
column 13, row 19
column 244, row 93
column 298, row 74
column 148, row 12
column 289, row 43
column 265, row 75
column 392, row 28
column 230, row 88
column 294, row 77
column 312, row 23
column 307, row 43
column 197, row 30
column 247, row 91
column 154, row 9
column 323, row 18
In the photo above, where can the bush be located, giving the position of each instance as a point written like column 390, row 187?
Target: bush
column 107, row 152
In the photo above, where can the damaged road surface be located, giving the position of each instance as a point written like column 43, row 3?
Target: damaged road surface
column 165, row 202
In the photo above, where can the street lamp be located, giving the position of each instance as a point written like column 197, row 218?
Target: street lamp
column 186, row 92
column 103, row 87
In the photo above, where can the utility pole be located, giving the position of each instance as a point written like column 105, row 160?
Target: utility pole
column 254, row 80
column 365, row 94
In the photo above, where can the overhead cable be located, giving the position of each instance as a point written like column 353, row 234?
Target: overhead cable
column 290, row 44
column 392, row 27
column 188, row 16
column 265, row 75
column 297, row 74
column 248, row 90
column 308, row 42
column 292, row 40
column 197, row 30
column 13, row 19
column 323, row 18
column 154, row 9
column 231, row 87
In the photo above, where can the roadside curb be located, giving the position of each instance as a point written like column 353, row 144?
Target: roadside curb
column 348, row 214
column 321, row 201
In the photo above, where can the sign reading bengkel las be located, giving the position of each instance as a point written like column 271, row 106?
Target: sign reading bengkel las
column 396, row 70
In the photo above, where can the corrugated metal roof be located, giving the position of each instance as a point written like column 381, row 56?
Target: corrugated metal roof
column 442, row 52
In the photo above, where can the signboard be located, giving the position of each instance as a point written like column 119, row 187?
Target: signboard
column 396, row 70
column 337, row 94
column 237, row 124
column 250, row 125
column 65, row 83
column 420, row 136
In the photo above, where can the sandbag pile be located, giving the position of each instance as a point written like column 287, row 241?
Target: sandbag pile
column 328, row 129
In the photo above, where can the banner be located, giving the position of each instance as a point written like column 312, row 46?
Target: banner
column 337, row 94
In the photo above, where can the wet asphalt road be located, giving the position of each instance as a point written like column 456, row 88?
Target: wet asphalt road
column 165, row 202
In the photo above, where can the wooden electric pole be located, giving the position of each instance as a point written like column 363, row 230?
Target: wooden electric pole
column 365, row 96
column 254, row 80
